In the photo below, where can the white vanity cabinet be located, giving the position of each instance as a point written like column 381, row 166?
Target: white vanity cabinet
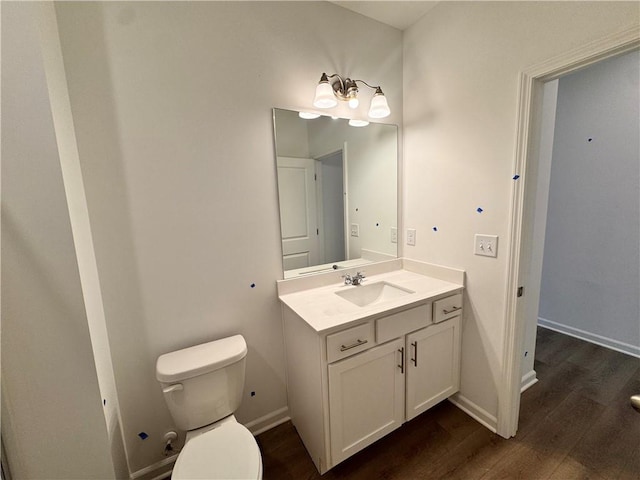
column 366, row 398
column 433, row 370
column 350, row 387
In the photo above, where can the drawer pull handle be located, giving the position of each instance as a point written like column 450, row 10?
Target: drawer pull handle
column 344, row 348
column 453, row 309
column 401, row 366
column 415, row 353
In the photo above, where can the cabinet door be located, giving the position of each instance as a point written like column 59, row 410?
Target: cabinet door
column 433, row 365
column 366, row 398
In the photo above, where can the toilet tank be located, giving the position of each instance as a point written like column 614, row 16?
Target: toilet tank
column 204, row 383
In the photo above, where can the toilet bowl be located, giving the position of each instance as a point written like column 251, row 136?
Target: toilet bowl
column 228, row 451
column 202, row 386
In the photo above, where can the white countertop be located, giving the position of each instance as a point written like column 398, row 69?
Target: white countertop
column 325, row 311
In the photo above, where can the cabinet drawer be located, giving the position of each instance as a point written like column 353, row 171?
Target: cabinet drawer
column 350, row 341
column 399, row 324
column 446, row 308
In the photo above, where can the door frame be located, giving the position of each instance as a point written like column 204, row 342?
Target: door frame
column 527, row 138
column 345, row 191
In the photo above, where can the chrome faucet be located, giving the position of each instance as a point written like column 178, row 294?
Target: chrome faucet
column 355, row 280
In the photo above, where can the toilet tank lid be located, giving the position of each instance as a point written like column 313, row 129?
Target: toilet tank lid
column 200, row 359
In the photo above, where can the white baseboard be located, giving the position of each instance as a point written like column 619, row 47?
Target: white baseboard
column 156, row 471
column 165, row 475
column 606, row 342
column 162, row 469
column 268, row 421
column 528, row 379
column 475, row 411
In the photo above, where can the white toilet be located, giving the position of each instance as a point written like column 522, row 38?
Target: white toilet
column 203, row 386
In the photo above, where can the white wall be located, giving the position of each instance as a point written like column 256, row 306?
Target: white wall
column 52, row 408
column 372, row 173
column 172, row 107
column 461, row 66
column 591, row 269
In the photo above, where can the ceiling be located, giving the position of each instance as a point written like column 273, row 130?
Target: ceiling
column 398, row 14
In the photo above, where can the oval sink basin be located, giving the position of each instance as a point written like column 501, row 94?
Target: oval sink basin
column 373, row 293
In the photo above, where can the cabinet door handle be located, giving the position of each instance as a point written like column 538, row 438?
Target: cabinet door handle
column 415, row 353
column 453, row 309
column 401, row 366
column 358, row 342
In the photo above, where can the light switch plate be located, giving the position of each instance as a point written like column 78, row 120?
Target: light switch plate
column 411, row 236
column 394, row 235
column 486, row 245
column 355, row 230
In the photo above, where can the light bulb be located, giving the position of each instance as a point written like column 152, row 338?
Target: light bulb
column 354, row 102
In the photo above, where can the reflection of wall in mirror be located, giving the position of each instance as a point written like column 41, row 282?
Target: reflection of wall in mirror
column 371, row 159
column 372, row 179
column 292, row 136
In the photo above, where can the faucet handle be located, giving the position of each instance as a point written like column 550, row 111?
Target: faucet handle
column 347, row 279
column 358, row 278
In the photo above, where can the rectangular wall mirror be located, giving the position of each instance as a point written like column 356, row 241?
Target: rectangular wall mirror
column 337, row 188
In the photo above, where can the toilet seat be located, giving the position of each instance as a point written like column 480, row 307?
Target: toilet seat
column 227, row 452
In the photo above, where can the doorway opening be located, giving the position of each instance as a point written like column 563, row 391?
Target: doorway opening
column 585, row 264
column 523, row 201
column 331, row 203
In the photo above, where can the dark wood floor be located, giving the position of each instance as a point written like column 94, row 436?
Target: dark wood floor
column 575, row 423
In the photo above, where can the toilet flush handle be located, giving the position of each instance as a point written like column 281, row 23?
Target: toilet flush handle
column 173, row 388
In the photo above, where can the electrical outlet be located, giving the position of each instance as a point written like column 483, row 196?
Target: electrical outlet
column 486, row 245
column 394, row 235
column 411, row 236
column 355, row 230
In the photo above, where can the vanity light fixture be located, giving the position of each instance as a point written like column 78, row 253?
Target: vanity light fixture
column 332, row 88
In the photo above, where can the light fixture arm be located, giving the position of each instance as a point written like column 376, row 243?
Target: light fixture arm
column 344, row 88
column 377, row 89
